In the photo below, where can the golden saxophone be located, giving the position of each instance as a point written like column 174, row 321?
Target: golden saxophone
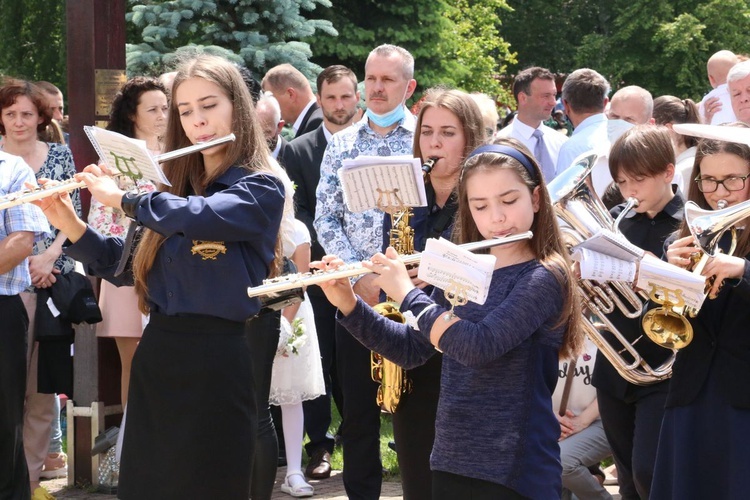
column 394, row 381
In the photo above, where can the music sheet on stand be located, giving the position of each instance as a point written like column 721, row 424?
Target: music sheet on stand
column 366, row 179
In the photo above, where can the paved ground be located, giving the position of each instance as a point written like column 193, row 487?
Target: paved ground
column 332, row 488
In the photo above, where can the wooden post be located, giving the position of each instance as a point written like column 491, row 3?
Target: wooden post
column 96, row 66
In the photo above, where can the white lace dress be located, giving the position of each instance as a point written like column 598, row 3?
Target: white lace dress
column 299, row 377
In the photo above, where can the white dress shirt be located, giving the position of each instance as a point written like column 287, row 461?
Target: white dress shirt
column 726, row 115
column 553, row 140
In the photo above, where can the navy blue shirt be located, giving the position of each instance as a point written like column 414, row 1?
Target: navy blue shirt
column 649, row 234
column 495, row 420
column 216, row 246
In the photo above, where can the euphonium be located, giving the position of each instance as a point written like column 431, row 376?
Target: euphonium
column 707, row 227
column 578, row 205
column 393, row 380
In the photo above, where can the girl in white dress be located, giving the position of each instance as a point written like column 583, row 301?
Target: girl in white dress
column 297, row 372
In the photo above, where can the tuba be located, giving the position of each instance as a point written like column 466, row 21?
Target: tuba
column 579, row 207
column 393, row 380
column 707, row 227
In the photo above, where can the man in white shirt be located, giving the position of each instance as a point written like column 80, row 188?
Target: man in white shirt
column 584, row 95
column 535, row 91
column 716, row 106
column 295, row 96
column 738, row 81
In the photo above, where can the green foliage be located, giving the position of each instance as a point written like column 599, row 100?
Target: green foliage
column 662, row 46
column 480, row 51
column 260, row 33
column 454, row 42
column 34, row 36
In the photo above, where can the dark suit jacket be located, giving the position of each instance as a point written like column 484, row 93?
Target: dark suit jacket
column 302, row 161
column 283, row 151
column 312, row 120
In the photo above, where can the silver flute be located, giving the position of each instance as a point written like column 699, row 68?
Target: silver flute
column 38, row 193
column 291, row 281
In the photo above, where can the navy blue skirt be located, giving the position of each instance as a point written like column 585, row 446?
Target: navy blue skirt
column 704, row 449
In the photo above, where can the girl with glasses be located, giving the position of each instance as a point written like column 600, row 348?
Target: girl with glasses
column 704, row 445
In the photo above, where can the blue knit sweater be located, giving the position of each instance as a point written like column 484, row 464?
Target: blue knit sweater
column 495, row 420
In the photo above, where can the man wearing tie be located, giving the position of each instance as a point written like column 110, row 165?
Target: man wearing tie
column 535, row 92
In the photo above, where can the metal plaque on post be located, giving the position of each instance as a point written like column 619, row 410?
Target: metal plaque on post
column 106, row 84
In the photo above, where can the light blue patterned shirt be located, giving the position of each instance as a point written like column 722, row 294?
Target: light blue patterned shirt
column 355, row 236
column 25, row 217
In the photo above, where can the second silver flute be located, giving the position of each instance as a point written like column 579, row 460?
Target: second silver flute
column 28, row 195
column 292, row 281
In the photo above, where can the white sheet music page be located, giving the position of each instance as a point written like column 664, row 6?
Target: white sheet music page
column 602, row 267
column 665, row 276
column 612, row 244
column 444, row 263
column 124, row 155
column 393, row 180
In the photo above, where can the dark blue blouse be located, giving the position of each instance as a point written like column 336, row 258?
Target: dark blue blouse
column 495, row 420
column 216, row 246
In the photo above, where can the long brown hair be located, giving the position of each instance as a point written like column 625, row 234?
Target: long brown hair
column 546, row 244
column 709, row 147
column 187, row 173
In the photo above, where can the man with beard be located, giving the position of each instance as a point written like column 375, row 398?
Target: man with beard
column 337, row 98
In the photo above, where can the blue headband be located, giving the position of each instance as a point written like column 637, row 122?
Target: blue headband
column 507, row 151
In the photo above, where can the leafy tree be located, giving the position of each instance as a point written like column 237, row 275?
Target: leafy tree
column 480, row 50
column 662, row 46
column 547, row 33
column 34, row 36
column 260, row 33
column 454, row 42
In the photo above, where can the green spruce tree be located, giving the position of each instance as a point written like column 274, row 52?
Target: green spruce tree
column 258, row 33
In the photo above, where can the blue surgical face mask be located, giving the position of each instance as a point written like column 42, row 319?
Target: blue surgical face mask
column 388, row 119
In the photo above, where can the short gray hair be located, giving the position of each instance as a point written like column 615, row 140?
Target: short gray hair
column 267, row 100
column 387, row 50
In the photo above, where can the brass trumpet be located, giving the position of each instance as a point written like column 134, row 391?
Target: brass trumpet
column 707, row 227
column 29, row 195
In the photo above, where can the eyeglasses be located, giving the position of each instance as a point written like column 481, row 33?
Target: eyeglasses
column 733, row 183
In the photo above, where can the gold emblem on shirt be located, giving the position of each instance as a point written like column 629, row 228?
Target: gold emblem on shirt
column 208, row 249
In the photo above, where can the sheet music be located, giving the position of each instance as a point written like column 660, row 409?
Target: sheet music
column 670, row 277
column 124, row 155
column 612, row 244
column 601, row 267
column 394, row 180
column 444, row 263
